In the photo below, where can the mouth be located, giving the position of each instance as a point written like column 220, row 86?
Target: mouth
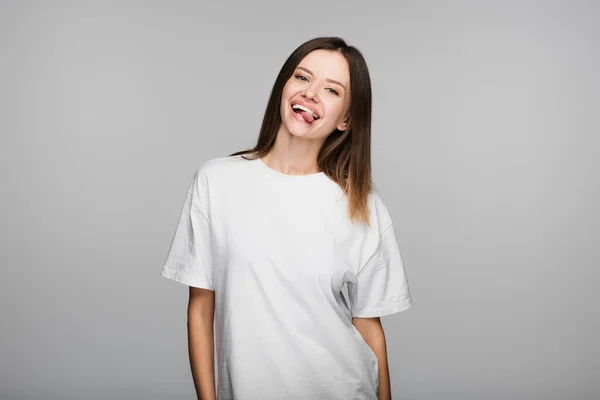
column 305, row 114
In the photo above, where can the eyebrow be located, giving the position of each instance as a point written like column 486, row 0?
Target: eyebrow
column 328, row 80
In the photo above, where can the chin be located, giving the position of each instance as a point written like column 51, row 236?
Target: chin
column 296, row 132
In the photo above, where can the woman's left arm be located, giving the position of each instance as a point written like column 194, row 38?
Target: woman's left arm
column 372, row 331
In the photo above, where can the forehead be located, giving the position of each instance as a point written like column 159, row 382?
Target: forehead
column 329, row 64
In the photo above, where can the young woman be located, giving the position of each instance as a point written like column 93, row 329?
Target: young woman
column 268, row 237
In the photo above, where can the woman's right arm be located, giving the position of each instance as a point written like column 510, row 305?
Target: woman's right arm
column 201, row 311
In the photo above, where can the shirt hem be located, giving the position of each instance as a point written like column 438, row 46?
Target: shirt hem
column 383, row 310
column 185, row 279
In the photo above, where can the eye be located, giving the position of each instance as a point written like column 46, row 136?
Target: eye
column 334, row 91
column 301, row 77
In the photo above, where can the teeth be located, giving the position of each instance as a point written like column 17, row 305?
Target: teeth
column 308, row 110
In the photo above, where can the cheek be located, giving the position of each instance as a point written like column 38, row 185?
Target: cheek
column 288, row 88
column 286, row 95
column 335, row 111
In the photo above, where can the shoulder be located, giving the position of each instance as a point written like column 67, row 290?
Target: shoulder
column 211, row 176
column 219, row 168
column 220, row 165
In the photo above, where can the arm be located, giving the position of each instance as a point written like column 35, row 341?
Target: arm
column 200, row 313
column 372, row 331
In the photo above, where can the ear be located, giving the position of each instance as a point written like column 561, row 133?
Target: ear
column 345, row 124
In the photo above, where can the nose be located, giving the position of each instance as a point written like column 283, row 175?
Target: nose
column 310, row 92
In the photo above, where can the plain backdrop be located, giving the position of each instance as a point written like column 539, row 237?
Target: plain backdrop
column 485, row 147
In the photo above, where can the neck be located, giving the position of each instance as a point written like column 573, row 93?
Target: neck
column 294, row 155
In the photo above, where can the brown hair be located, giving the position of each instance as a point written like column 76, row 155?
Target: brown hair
column 345, row 156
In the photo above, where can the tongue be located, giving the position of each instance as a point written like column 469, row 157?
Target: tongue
column 307, row 117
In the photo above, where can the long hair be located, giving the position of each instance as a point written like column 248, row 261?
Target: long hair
column 345, row 156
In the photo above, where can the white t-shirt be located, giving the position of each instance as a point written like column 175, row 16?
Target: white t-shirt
column 277, row 250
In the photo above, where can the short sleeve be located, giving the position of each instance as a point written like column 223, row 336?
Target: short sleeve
column 381, row 285
column 190, row 257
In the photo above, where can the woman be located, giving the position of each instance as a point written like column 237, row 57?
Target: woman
column 268, row 237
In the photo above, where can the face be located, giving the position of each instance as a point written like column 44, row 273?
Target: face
column 320, row 83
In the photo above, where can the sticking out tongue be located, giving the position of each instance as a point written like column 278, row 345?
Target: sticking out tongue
column 307, row 117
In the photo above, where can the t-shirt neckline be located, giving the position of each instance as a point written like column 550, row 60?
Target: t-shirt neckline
column 281, row 175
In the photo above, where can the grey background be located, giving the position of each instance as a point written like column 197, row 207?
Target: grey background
column 485, row 147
